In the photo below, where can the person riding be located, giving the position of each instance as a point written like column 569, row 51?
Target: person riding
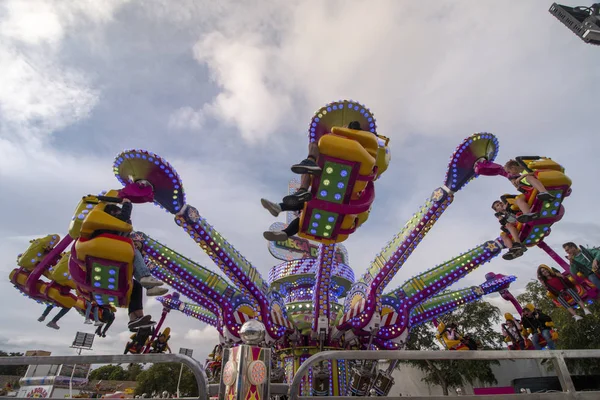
column 561, row 288
column 585, row 261
column 538, row 323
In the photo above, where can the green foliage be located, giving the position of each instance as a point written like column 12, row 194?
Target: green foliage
column 133, row 370
column 478, row 320
column 16, row 370
column 535, row 294
column 109, row 373
column 164, row 376
column 584, row 334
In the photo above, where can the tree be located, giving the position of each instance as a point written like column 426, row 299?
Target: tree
column 584, row 334
column 109, row 373
column 133, row 370
column 16, row 370
column 164, row 376
column 478, row 320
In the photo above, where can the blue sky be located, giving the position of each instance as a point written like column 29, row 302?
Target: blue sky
column 225, row 91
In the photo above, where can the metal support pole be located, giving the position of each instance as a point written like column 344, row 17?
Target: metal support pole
column 72, row 374
column 179, row 381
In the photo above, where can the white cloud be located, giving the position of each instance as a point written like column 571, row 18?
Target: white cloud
column 39, row 94
column 431, row 70
column 250, row 99
column 186, row 118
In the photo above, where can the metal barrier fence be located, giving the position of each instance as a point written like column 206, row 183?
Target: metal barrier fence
column 195, row 367
column 557, row 356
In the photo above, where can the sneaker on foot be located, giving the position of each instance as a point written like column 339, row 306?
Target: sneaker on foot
column 297, row 199
column 520, row 246
column 136, row 323
column 150, row 282
column 98, row 323
column 87, row 321
column 271, row 207
column 577, row 317
column 41, row 319
column 53, row 325
column 525, row 218
column 586, row 311
column 275, row 236
column 156, row 291
column 306, row 166
column 512, row 253
column 545, row 196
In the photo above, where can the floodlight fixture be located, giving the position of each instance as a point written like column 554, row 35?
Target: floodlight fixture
column 186, row 352
column 83, row 341
column 582, row 21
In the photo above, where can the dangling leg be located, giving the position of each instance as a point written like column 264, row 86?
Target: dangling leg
column 46, row 312
column 281, row 236
column 53, row 324
column 309, row 164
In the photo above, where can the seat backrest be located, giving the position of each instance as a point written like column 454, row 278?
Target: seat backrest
column 98, row 220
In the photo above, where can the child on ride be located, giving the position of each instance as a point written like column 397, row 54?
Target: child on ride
column 512, row 330
column 107, row 317
column 137, row 319
column 525, row 182
column 295, row 202
column 308, row 167
column 538, row 323
column 92, row 306
column 160, row 345
column 53, row 324
column 507, row 222
column 561, row 287
column 141, row 272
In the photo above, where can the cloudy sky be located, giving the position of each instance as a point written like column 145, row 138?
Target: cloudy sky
column 225, row 90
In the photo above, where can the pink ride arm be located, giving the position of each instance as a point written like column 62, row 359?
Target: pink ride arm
column 506, row 295
column 165, row 311
column 231, row 262
column 51, row 258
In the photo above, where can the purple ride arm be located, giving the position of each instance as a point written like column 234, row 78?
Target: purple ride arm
column 321, row 290
column 442, row 304
column 191, row 310
column 447, row 302
column 231, row 262
column 422, row 287
column 182, row 287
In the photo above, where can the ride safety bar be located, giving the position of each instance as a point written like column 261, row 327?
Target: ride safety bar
column 557, row 356
column 194, row 366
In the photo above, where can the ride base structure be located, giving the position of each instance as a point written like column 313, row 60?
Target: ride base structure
column 312, row 301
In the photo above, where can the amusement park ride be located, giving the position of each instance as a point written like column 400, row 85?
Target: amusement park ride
column 311, row 301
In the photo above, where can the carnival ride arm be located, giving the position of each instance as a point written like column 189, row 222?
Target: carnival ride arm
column 387, row 263
column 321, row 302
column 199, row 312
column 425, row 285
column 231, row 262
